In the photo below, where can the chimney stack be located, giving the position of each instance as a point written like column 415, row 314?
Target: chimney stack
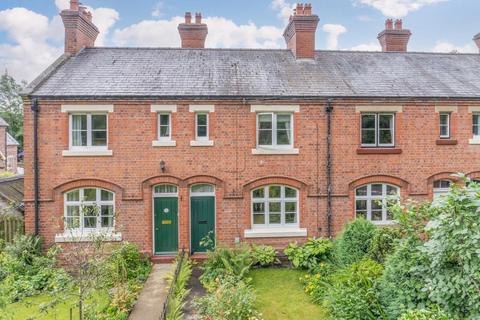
column 300, row 32
column 193, row 35
column 394, row 38
column 477, row 41
column 80, row 31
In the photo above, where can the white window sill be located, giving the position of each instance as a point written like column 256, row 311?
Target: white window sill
column 201, row 143
column 261, row 151
column 87, row 153
column 474, row 141
column 164, row 143
column 275, row 233
column 87, row 237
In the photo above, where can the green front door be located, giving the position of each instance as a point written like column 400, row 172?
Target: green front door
column 166, row 225
column 202, row 221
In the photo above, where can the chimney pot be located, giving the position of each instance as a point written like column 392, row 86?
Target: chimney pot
column 477, row 41
column 80, row 32
column 74, row 5
column 198, row 18
column 188, row 17
column 300, row 32
column 394, row 40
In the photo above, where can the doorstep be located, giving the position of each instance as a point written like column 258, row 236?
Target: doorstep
column 163, row 259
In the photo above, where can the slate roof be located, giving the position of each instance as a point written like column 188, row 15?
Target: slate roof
column 11, row 191
column 210, row 73
column 11, row 140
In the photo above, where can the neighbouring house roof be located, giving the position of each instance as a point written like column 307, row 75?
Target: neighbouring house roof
column 214, row 73
column 3, row 123
column 11, row 141
column 11, row 192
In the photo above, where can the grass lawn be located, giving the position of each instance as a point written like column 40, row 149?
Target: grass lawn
column 29, row 308
column 280, row 295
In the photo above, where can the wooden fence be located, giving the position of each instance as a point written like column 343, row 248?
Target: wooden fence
column 10, row 225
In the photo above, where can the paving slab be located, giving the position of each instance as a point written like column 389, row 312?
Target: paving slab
column 153, row 295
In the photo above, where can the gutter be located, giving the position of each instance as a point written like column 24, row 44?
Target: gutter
column 329, row 111
column 36, row 110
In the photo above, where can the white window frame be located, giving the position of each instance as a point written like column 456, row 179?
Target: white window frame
column 377, row 143
column 274, row 144
column 207, row 137
column 476, row 114
column 266, row 200
column 370, row 198
column 446, row 136
column 439, row 192
column 159, row 125
column 98, row 203
column 89, row 131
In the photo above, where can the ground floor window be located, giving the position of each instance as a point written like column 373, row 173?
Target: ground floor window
column 371, row 201
column 88, row 209
column 440, row 188
column 274, row 206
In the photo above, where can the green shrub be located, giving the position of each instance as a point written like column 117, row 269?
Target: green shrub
column 310, row 254
column 264, row 255
column 316, row 282
column 424, row 314
column 352, row 292
column 231, row 300
column 383, row 243
column 24, row 248
column 224, row 261
column 354, row 242
column 2, row 245
column 176, row 303
column 401, row 285
column 129, row 260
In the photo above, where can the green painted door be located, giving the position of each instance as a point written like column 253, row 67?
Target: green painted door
column 166, row 224
column 203, row 221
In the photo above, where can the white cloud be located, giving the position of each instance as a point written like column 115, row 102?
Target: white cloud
column 334, row 31
column 157, row 10
column 104, row 19
column 285, row 9
column 444, row 46
column 397, row 8
column 222, row 33
column 371, row 46
column 62, row 4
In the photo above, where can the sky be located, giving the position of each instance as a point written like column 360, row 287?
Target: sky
column 31, row 31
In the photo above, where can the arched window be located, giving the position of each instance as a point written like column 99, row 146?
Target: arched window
column 371, row 201
column 89, row 209
column 274, row 206
column 440, row 188
column 202, row 189
column 164, row 190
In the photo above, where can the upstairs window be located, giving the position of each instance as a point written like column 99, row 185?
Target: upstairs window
column 274, row 206
column 89, row 209
column 377, row 129
column 444, row 125
column 201, row 124
column 164, row 126
column 476, row 125
column 371, row 201
column 274, row 130
column 88, row 130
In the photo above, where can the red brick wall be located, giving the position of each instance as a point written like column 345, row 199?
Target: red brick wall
column 134, row 168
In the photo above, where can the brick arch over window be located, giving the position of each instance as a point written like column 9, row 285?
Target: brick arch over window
column 440, row 176
column 204, row 179
column 474, row 175
column 281, row 180
column 60, row 189
column 166, row 179
column 402, row 184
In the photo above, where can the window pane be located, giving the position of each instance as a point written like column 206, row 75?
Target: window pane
column 164, row 119
column 99, row 138
column 258, row 219
column 265, row 121
column 290, row 218
column 444, row 184
column 361, row 205
column 166, row 188
column 164, row 131
column 274, row 191
column 73, row 195
column 443, row 131
column 89, row 194
column 79, row 122
column 274, row 219
column 391, row 190
column 72, row 220
column 377, row 189
column 368, row 136
column 444, row 119
column 377, row 215
column 90, row 222
column 389, row 215
column 283, row 137
column 265, row 137
column 90, row 217
column 202, row 188
column 259, row 193
column 376, row 205
column 290, row 207
column 290, row 193
column 274, row 207
column 386, row 137
column 73, row 211
column 385, row 121
column 361, row 214
column 476, row 125
column 106, row 195
column 99, row 122
column 90, row 211
column 107, row 216
column 258, row 207
column 362, row 191
column 79, row 138
column 283, row 121
column 201, row 119
column 201, row 131
column 368, row 121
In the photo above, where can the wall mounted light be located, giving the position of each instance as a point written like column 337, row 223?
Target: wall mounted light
column 162, row 166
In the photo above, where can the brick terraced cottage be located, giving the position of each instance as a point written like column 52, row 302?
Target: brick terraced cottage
column 266, row 146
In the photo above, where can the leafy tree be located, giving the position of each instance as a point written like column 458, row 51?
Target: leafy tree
column 11, row 106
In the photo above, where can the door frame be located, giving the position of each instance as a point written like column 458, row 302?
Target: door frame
column 164, row 195
column 209, row 194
